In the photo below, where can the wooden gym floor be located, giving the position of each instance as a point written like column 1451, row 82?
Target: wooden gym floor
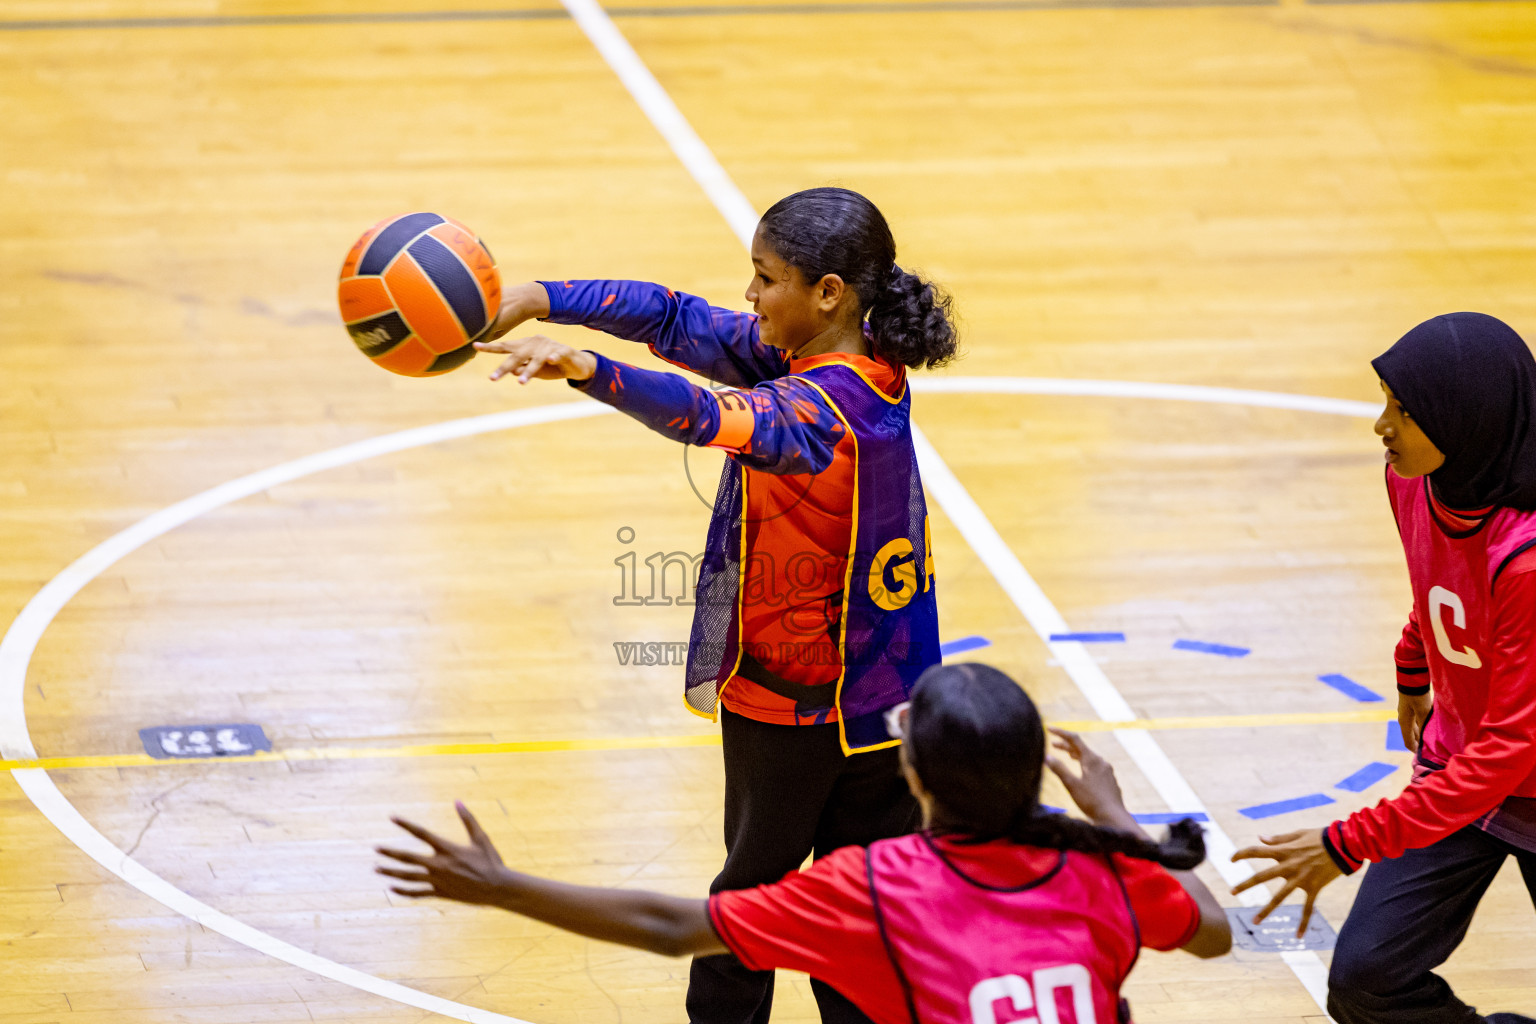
column 1244, row 195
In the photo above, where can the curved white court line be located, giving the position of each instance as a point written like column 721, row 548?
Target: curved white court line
column 21, row 639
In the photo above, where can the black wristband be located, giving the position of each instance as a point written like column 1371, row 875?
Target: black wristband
column 1413, row 691
column 1337, row 858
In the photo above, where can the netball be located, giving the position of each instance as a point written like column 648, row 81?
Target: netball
column 417, row 291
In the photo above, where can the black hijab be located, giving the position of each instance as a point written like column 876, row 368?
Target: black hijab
column 1470, row 382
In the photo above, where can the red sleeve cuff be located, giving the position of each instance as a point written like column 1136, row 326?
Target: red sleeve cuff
column 1413, row 680
column 1333, row 842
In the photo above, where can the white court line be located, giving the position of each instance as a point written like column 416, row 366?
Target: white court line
column 1106, row 701
column 21, row 640
column 1142, row 389
column 978, row 531
column 56, row 808
column 696, row 157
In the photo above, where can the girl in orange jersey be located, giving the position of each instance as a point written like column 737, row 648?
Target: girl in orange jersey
column 815, row 604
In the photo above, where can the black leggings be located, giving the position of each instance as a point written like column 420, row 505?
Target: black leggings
column 790, row 791
column 1410, row 915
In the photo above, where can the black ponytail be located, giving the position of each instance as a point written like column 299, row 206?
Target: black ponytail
column 825, row 231
column 913, row 321
column 978, row 745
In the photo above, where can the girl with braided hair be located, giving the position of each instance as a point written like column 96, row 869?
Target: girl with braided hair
column 995, row 901
column 815, row 602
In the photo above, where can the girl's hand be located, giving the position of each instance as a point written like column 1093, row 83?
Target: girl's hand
column 540, row 357
column 467, row 874
column 1095, row 791
column 1301, row 860
column 519, row 304
column 1412, row 713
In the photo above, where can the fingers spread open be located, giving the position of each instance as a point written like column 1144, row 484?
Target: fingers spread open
column 1269, row 908
column 414, row 894
column 404, row 856
column 1067, row 735
column 1269, row 874
column 476, row 833
column 437, row 843
column 1245, row 885
column 409, row 876
column 1306, row 915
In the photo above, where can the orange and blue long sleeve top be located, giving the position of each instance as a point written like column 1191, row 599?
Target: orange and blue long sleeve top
column 794, row 448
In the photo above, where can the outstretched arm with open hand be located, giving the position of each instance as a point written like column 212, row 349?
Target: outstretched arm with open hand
column 474, row 873
column 1301, row 861
column 539, row 357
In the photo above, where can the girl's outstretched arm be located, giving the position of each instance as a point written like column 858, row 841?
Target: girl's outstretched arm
column 720, row 344
column 669, row 925
column 780, row 426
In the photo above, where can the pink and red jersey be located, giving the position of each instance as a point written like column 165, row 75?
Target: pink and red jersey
column 1474, row 592
column 929, row 930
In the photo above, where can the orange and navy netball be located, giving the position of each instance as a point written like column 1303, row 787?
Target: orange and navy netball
column 417, row 291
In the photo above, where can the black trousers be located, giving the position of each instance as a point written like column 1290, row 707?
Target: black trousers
column 791, row 791
column 1410, row 915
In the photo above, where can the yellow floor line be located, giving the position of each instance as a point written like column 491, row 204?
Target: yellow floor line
column 652, row 742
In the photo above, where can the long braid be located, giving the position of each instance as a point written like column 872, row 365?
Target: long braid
column 1182, row 850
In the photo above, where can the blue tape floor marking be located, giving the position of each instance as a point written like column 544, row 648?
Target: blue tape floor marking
column 1361, row 780
column 1366, row 777
column 1169, row 817
column 1349, row 688
column 1205, row 648
column 1090, row 638
column 1286, row 806
column 965, row 643
column 1150, row 818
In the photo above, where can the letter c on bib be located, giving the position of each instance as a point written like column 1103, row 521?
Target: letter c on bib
column 893, row 575
column 1439, row 598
